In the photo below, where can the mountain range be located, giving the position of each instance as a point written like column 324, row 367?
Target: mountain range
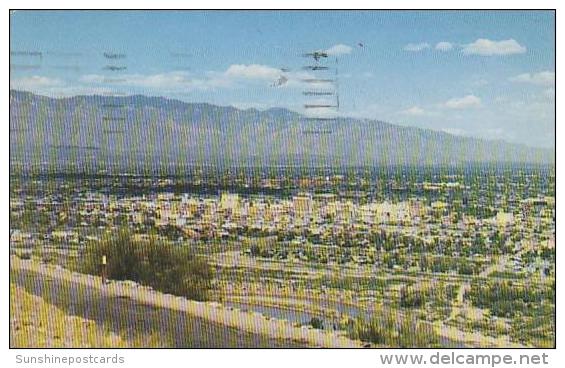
column 140, row 132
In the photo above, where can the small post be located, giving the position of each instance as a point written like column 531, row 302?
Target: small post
column 103, row 270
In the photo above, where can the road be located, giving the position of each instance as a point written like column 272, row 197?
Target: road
column 138, row 321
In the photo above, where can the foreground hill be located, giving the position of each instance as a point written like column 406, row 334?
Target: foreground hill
column 149, row 318
column 37, row 324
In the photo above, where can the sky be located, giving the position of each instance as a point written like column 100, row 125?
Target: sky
column 486, row 74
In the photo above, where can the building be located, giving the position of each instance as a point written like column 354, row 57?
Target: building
column 302, row 204
column 229, row 201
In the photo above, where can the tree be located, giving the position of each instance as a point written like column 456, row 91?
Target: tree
column 164, row 266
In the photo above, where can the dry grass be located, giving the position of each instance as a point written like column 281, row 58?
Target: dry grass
column 37, row 324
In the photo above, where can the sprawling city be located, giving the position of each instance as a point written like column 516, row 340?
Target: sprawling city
column 466, row 254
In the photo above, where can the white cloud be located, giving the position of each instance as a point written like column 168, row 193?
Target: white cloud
column 444, row 46
column 485, row 47
column 454, row 131
column 240, row 73
column 157, row 81
column 54, row 87
column 339, row 49
column 252, row 71
column 320, row 113
column 495, row 132
column 544, row 78
column 35, row 83
column 415, row 47
column 92, row 78
column 469, row 101
column 414, row 111
column 250, row 105
column 235, row 74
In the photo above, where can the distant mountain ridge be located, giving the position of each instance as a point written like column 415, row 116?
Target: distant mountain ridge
column 155, row 132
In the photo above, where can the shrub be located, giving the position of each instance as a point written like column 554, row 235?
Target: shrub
column 412, row 298
column 24, row 255
column 255, row 250
column 317, row 323
column 168, row 268
column 48, row 257
column 416, row 297
column 397, row 330
column 506, row 300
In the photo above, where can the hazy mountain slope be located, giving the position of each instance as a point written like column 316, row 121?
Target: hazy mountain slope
column 154, row 132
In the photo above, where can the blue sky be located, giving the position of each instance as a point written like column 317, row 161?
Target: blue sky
column 484, row 74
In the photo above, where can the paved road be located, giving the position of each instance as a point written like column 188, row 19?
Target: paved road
column 135, row 320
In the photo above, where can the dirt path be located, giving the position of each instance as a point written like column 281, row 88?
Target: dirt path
column 451, row 335
column 133, row 311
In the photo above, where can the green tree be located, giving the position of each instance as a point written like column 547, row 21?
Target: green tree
column 166, row 267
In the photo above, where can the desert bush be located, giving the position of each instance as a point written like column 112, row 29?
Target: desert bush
column 506, row 300
column 396, row 330
column 24, row 255
column 538, row 331
column 317, row 323
column 166, row 267
column 417, row 296
column 412, row 298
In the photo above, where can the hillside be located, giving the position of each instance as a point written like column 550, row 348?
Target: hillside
column 139, row 132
